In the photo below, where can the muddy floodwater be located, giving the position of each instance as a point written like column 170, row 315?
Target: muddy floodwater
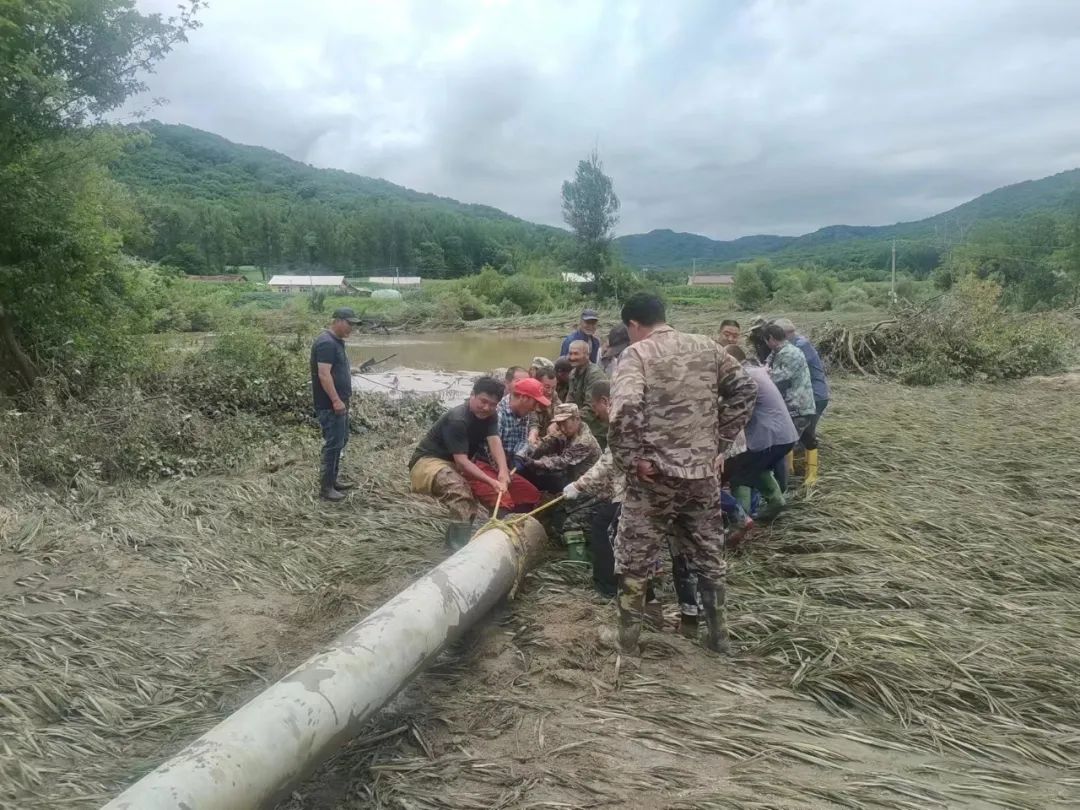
column 441, row 363
column 452, row 351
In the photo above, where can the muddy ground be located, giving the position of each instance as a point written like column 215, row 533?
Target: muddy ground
column 907, row 637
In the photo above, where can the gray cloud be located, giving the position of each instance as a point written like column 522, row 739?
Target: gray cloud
column 719, row 118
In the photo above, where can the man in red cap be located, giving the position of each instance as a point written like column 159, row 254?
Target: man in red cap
column 514, row 423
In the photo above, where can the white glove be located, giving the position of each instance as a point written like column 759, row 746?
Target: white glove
column 570, row 492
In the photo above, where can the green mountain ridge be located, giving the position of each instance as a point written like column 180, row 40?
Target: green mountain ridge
column 922, row 241
column 212, row 203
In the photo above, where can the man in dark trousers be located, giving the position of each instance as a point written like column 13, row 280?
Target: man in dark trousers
column 331, row 388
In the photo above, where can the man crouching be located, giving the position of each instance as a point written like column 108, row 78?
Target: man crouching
column 564, row 454
column 442, row 464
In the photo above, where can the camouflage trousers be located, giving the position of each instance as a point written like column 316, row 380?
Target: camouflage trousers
column 682, row 512
column 451, row 488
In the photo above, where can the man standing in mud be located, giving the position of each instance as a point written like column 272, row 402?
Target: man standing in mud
column 678, row 401
column 331, row 388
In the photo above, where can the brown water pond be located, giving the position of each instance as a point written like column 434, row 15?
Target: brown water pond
column 452, row 351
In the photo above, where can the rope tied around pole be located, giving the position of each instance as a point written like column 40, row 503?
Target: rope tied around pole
column 511, row 528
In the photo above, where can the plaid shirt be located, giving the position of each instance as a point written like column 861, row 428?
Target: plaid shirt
column 513, row 431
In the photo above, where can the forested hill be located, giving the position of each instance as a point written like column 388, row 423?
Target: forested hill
column 665, row 248
column 211, row 203
column 920, row 242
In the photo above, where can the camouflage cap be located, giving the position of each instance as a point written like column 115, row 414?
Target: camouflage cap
column 542, row 362
column 567, row 410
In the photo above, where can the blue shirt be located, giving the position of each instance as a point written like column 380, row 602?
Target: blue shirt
column 817, row 369
column 592, row 340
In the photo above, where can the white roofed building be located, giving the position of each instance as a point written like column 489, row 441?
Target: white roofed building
column 304, row 283
column 711, row 281
column 394, row 281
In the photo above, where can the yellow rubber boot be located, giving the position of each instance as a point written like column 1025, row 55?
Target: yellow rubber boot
column 811, row 468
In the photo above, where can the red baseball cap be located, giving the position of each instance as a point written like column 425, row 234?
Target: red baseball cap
column 531, row 388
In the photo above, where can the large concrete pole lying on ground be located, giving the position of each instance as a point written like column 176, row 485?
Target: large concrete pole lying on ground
column 255, row 755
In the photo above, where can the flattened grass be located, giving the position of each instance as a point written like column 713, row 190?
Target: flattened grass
column 908, row 635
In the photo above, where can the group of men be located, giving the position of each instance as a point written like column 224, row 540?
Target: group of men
column 532, row 432
column 670, row 434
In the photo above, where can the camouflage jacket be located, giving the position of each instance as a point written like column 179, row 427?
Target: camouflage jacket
column 580, row 393
column 603, row 481
column 543, row 416
column 572, row 455
column 790, row 372
column 678, row 401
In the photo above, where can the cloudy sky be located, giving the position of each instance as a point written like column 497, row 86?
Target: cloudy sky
column 718, row 117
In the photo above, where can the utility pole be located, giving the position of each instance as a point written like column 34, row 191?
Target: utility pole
column 892, row 294
column 894, row 268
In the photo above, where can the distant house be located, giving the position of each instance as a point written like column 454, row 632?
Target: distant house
column 227, row 279
column 576, row 278
column 288, row 284
column 711, row 281
column 394, row 281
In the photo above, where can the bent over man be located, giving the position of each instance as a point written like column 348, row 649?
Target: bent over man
column 678, row 401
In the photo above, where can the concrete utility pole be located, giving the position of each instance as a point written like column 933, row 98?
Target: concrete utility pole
column 253, row 757
column 894, row 268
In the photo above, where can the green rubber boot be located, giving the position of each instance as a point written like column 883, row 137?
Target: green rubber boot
column 743, row 495
column 631, row 607
column 458, row 534
column 774, row 498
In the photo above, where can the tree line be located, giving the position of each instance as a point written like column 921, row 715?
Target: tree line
column 208, row 204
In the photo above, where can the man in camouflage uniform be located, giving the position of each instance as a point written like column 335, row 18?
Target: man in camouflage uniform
column 791, row 374
column 678, row 401
column 565, row 453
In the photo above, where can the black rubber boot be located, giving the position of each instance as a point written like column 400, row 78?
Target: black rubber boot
column 458, row 534
column 631, row 605
column 331, row 494
column 712, row 604
column 688, row 626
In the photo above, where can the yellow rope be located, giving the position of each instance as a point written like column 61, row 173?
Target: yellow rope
column 536, row 511
column 510, row 529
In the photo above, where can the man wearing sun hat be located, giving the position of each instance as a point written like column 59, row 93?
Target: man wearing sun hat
column 565, row 453
column 586, row 331
column 514, row 424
